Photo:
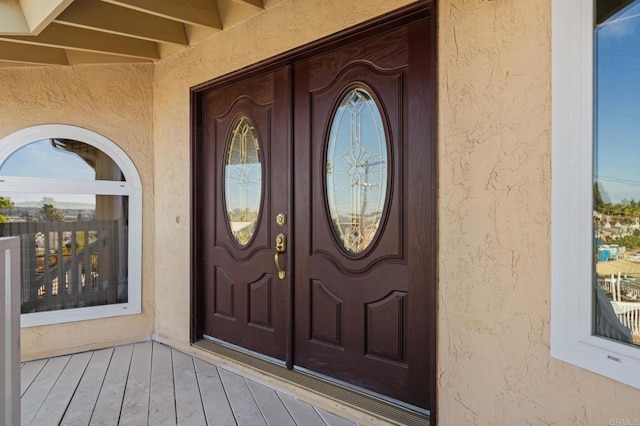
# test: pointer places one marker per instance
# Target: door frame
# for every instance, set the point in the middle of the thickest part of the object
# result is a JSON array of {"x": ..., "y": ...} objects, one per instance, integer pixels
[{"x": 423, "y": 9}]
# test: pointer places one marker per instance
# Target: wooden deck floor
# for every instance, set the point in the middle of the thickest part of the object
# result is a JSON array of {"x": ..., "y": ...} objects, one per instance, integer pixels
[{"x": 152, "y": 384}]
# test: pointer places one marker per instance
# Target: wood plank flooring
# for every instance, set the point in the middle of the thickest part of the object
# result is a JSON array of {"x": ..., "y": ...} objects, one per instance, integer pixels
[{"x": 152, "y": 384}]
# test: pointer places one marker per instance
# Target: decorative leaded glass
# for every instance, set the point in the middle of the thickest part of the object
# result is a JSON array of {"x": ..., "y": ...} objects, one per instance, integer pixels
[
  {"x": 243, "y": 180},
  {"x": 356, "y": 171}
]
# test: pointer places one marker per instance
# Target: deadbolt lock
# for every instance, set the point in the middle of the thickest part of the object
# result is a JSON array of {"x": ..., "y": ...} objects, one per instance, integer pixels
[
  {"x": 281, "y": 243},
  {"x": 281, "y": 219}
]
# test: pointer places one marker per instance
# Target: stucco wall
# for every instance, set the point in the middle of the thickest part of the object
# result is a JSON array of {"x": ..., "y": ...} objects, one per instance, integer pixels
[
  {"x": 495, "y": 212},
  {"x": 114, "y": 101}
]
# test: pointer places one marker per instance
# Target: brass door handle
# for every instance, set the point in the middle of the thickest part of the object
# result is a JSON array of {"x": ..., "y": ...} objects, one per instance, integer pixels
[
  {"x": 281, "y": 248},
  {"x": 281, "y": 272}
]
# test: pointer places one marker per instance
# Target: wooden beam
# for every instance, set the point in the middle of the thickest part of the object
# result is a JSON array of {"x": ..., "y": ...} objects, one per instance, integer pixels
[
  {"x": 18, "y": 52},
  {"x": 12, "y": 19},
  {"x": 100, "y": 16},
  {"x": 197, "y": 33},
  {"x": 256, "y": 4},
  {"x": 57, "y": 35},
  {"x": 235, "y": 11},
  {"x": 194, "y": 12},
  {"x": 40, "y": 13},
  {"x": 168, "y": 49}
]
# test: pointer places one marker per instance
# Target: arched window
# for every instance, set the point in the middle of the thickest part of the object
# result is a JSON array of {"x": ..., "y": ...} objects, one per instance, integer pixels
[{"x": 75, "y": 200}]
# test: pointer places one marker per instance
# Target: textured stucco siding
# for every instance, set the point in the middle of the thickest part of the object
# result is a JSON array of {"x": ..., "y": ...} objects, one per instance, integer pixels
[
  {"x": 114, "y": 101},
  {"x": 494, "y": 228}
]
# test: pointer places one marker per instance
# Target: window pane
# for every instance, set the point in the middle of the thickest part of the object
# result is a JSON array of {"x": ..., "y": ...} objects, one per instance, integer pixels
[
  {"x": 61, "y": 159},
  {"x": 617, "y": 173},
  {"x": 74, "y": 248},
  {"x": 243, "y": 181},
  {"x": 356, "y": 171}
]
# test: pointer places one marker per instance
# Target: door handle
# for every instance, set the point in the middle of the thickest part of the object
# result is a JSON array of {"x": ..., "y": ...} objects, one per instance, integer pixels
[{"x": 281, "y": 248}]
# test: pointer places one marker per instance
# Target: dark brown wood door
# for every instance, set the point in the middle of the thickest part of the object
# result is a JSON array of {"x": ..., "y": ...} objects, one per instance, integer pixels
[
  {"x": 245, "y": 163},
  {"x": 357, "y": 184},
  {"x": 364, "y": 215}
]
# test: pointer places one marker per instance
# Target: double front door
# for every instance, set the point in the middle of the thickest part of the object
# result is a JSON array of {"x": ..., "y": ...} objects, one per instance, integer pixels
[{"x": 317, "y": 214}]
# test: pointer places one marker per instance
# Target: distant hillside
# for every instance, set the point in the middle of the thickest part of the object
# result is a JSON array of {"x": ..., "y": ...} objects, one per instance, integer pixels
[{"x": 62, "y": 205}]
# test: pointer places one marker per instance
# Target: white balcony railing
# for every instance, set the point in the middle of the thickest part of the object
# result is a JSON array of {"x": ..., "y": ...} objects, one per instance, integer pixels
[
  {"x": 69, "y": 265},
  {"x": 629, "y": 315}
]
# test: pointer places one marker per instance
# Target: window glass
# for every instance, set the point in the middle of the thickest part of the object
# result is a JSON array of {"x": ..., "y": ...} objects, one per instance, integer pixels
[
  {"x": 61, "y": 159},
  {"x": 356, "y": 171},
  {"x": 74, "y": 248},
  {"x": 616, "y": 187},
  {"x": 243, "y": 181}
]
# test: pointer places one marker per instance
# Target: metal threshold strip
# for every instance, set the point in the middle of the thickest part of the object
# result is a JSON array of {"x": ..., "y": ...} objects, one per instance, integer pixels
[{"x": 365, "y": 403}]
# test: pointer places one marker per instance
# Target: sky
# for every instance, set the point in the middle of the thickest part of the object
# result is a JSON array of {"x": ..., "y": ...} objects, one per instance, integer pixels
[
  {"x": 617, "y": 159},
  {"x": 40, "y": 159}
]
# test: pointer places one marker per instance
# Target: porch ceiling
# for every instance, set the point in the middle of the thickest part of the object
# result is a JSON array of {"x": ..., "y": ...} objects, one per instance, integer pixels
[{"x": 68, "y": 32}]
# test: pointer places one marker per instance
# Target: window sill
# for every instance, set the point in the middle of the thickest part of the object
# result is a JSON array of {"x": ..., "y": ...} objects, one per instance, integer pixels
[{"x": 76, "y": 314}]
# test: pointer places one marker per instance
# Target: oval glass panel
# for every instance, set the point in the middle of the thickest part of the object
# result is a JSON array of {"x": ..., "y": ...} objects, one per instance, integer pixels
[
  {"x": 243, "y": 181},
  {"x": 356, "y": 171}
]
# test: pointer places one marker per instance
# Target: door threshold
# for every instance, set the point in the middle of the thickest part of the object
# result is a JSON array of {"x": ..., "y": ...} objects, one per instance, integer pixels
[
  {"x": 377, "y": 407},
  {"x": 241, "y": 350}
]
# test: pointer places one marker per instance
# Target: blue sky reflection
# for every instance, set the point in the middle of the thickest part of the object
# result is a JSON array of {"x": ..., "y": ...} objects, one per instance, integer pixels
[
  {"x": 617, "y": 144},
  {"x": 41, "y": 159}
]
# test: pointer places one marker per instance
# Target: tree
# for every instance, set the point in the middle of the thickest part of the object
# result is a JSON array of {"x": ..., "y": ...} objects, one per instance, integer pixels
[
  {"x": 48, "y": 213},
  {"x": 598, "y": 202},
  {"x": 28, "y": 217},
  {"x": 5, "y": 203}
]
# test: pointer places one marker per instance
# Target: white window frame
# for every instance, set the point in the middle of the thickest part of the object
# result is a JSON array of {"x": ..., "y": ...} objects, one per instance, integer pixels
[
  {"x": 131, "y": 187},
  {"x": 572, "y": 338}
]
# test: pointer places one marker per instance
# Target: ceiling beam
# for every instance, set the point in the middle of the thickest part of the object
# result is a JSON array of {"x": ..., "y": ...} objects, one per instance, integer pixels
[
  {"x": 197, "y": 33},
  {"x": 256, "y": 4},
  {"x": 16, "y": 52},
  {"x": 194, "y": 12},
  {"x": 40, "y": 13},
  {"x": 234, "y": 11},
  {"x": 100, "y": 16},
  {"x": 12, "y": 19},
  {"x": 91, "y": 41}
]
